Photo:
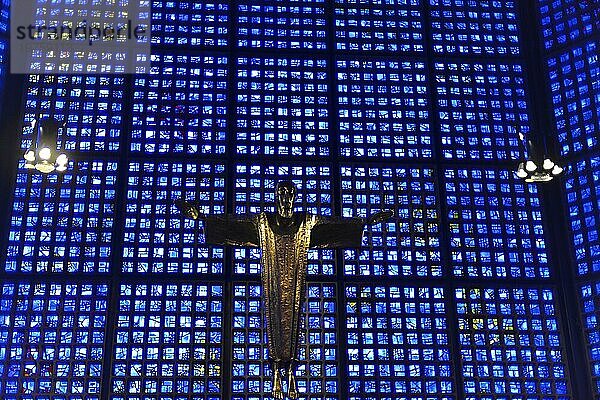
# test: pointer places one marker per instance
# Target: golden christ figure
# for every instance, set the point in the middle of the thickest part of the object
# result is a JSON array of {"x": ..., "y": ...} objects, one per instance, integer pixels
[{"x": 284, "y": 238}]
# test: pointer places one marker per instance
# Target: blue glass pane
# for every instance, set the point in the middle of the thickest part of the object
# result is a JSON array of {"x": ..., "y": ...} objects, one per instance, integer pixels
[
  {"x": 409, "y": 244},
  {"x": 282, "y": 24},
  {"x": 575, "y": 84},
  {"x": 180, "y": 106},
  {"x": 582, "y": 187},
  {"x": 4, "y": 60},
  {"x": 52, "y": 340},
  {"x": 398, "y": 346},
  {"x": 379, "y": 25},
  {"x": 317, "y": 373},
  {"x": 169, "y": 342},
  {"x": 479, "y": 106},
  {"x": 510, "y": 344},
  {"x": 565, "y": 21},
  {"x": 4, "y": 15},
  {"x": 255, "y": 193},
  {"x": 465, "y": 27},
  {"x": 63, "y": 222},
  {"x": 383, "y": 109},
  {"x": 590, "y": 303},
  {"x": 282, "y": 106},
  {"x": 190, "y": 23},
  {"x": 495, "y": 225},
  {"x": 157, "y": 238},
  {"x": 92, "y": 105}
]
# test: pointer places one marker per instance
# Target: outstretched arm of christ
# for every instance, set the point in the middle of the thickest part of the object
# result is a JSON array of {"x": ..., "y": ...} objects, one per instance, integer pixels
[
  {"x": 222, "y": 229},
  {"x": 230, "y": 230},
  {"x": 330, "y": 233}
]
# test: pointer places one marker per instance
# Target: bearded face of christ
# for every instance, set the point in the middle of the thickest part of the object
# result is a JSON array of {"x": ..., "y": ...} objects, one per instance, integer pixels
[{"x": 285, "y": 196}]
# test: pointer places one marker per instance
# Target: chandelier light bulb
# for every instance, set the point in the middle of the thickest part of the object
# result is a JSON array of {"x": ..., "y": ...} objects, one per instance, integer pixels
[
  {"x": 530, "y": 166},
  {"x": 61, "y": 168},
  {"x": 45, "y": 153},
  {"x": 557, "y": 170},
  {"x": 62, "y": 159},
  {"x": 548, "y": 164},
  {"x": 29, "y": 156}
]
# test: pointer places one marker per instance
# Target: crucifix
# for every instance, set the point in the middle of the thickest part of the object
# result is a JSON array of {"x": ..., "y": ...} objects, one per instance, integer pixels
[{"x": 284, "y": 238}]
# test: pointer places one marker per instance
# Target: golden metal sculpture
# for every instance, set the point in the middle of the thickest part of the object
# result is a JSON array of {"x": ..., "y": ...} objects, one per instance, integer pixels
[{"x": 284, "y": 238}]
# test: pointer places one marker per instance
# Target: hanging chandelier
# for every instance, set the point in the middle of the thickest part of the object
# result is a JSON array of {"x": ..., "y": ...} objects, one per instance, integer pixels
[
  {"x": 43, "y": 154},
  {"x": 537, "y": 167}
]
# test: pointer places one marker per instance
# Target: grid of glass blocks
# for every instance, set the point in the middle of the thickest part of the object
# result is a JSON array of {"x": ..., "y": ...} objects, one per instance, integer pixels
[
  {"x": 575, "y": 84},
  {"x": 582, "y": 187},
  {"x": 180, "y": 106},
  {"x": 63, "y": 222},
  {"x": 379, "y": 25},
  {"x": 510, "y": 344},
  {"x": 495, "y": 224},
  {"x": 52, "y": 340},
  {"x": 398, "y": 344},
  {"x": 282, "y": 24},
  {"x": 282, "y": 106},
  {"x": 480, "y": 106},
  {"x": 590, "y": 302},
  {"x": 565, "y": 21},
  {"x": 157, "y": 237},
  {"x": 383, "y": 109},
  {"x": 49, "y": 17},
  {"x": 317, "y": 368},
  {"x": 169, "y": 342},
  {"x": 92, "y": 106},
  {"x": 255, "y": 193},
  {"x": 408, "y": 244},
  {"x": 190, "y": 23},
  {"x": 488, "y": 27}
]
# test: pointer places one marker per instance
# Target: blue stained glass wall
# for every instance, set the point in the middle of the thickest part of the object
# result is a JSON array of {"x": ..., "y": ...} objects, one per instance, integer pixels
[
  {"x": 571, "y": 38},
  {"x": 495, "y": 222},
  {"x": 565, "y": 22},
  {"x": 109, "y": 293},
  {"x": 575, "y": 84},
  {"x": 52, "y": 340}
]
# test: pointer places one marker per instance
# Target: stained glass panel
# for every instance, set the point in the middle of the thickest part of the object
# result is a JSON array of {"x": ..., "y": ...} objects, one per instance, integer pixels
[
  {"x": 169, "y": 342},
  {"x": 63, "y": 222},
  {"x": 379, "y": 25},
  {"x": 282, "y": 106},
  {"x": 52, "y": 340},
  {"x": 479, "y": 106},
  {"x": 582, "y": 186},
  {"x": 282, "y": 24},
  {"x": 575, "y": 84},
  {"x": 383, "y": 109},
  {"x": 409, "y": 244},
  {"x": 157, "y": 238},
  {"x": 467, "y": 27},
  {"x": 565, "y": 21},
  {"x": 495, "y": 225},
  {"x": 180, "y": 106},
  {"x": 590, "y": 299},
  {"x": 510, "y": 344},
  {"x": 190, "y": 23},
  {"x": 398, "y": 344}
]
